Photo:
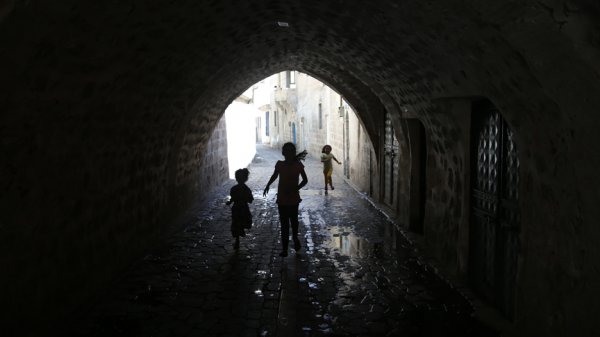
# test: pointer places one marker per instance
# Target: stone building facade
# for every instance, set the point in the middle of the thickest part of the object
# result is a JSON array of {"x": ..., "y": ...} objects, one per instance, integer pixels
[{"x": 311, "y": 114}]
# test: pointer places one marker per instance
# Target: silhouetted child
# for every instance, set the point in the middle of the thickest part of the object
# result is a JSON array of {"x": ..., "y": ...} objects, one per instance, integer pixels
[
  {"x": 326, "y": 157},
  {"x": 288, "y": 193},
  {"x": 241, "y": 218}
]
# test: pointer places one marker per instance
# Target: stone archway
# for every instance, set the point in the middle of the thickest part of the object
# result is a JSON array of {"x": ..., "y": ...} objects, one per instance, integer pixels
[{"x": 107, "y": 109}]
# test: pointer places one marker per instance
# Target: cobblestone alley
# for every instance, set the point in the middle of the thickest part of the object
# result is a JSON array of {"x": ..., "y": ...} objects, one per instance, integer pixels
[{"x": 354, "y": 276}]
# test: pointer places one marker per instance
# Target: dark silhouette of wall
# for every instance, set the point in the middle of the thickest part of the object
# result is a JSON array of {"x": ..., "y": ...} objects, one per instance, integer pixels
[{"x": 106, "y": 109}]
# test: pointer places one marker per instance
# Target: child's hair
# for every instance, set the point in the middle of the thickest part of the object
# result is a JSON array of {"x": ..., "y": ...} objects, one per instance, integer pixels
[
  {"x": 301, "y": 155},
  {"x": 289, "y": 146},
  {"x": 325, "y": 147},
  {"x": 241, "y": 175}
]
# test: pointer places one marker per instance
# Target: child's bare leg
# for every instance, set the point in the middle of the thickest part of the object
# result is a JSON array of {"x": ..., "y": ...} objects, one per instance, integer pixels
[
  {"x": 294, "y": 222},
  {"x": 284, "y": 219}
]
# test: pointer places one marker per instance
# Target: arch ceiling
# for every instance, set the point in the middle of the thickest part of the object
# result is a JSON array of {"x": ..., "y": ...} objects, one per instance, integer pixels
[{"x": 102, "y": 99}]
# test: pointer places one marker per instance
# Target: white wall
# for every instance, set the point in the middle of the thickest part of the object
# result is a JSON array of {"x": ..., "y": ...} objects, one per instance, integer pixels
[{"x": 241, "y": 135}]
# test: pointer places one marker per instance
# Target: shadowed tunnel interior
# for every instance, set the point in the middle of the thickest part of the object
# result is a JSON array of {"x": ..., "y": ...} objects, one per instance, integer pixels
[{"x": 107, "y": 109}]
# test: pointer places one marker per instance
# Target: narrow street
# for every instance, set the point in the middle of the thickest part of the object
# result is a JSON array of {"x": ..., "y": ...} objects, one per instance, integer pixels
[{"x": 356, "y": 275}]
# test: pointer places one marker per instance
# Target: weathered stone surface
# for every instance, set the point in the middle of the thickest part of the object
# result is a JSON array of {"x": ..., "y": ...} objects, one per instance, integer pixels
[{"x": 107, "y": 110}]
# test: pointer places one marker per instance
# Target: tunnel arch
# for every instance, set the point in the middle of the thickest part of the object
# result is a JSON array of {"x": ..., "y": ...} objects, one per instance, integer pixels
[
  {"x": 104, "y": 106},
  {"x": 365, "y": 103}
]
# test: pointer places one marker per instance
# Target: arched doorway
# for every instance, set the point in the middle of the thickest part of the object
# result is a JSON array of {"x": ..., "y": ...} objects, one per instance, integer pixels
[
  {"x": 494, "y": 225},
  {"x": 418, "y": 160}
]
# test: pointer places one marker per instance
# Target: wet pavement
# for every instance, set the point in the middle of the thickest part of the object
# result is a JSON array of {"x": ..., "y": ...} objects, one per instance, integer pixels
[{"x": 356, "y": 275}]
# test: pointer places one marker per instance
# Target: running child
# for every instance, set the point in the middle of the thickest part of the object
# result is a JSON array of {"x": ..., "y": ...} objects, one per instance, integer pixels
[
  {"x": 326, "y": 157},
  {"x": 288, "y": 193},
  {"x": 241, "y": 218}
]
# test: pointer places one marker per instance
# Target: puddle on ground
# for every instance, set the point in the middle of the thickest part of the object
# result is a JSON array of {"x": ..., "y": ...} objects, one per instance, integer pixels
[{"x": 348, "y": 243}]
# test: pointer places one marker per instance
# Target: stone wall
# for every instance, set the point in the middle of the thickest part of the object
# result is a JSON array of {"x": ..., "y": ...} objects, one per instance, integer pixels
[
  {"x": 69, "y": 246},
  {"x": 107, "y": 109}
]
